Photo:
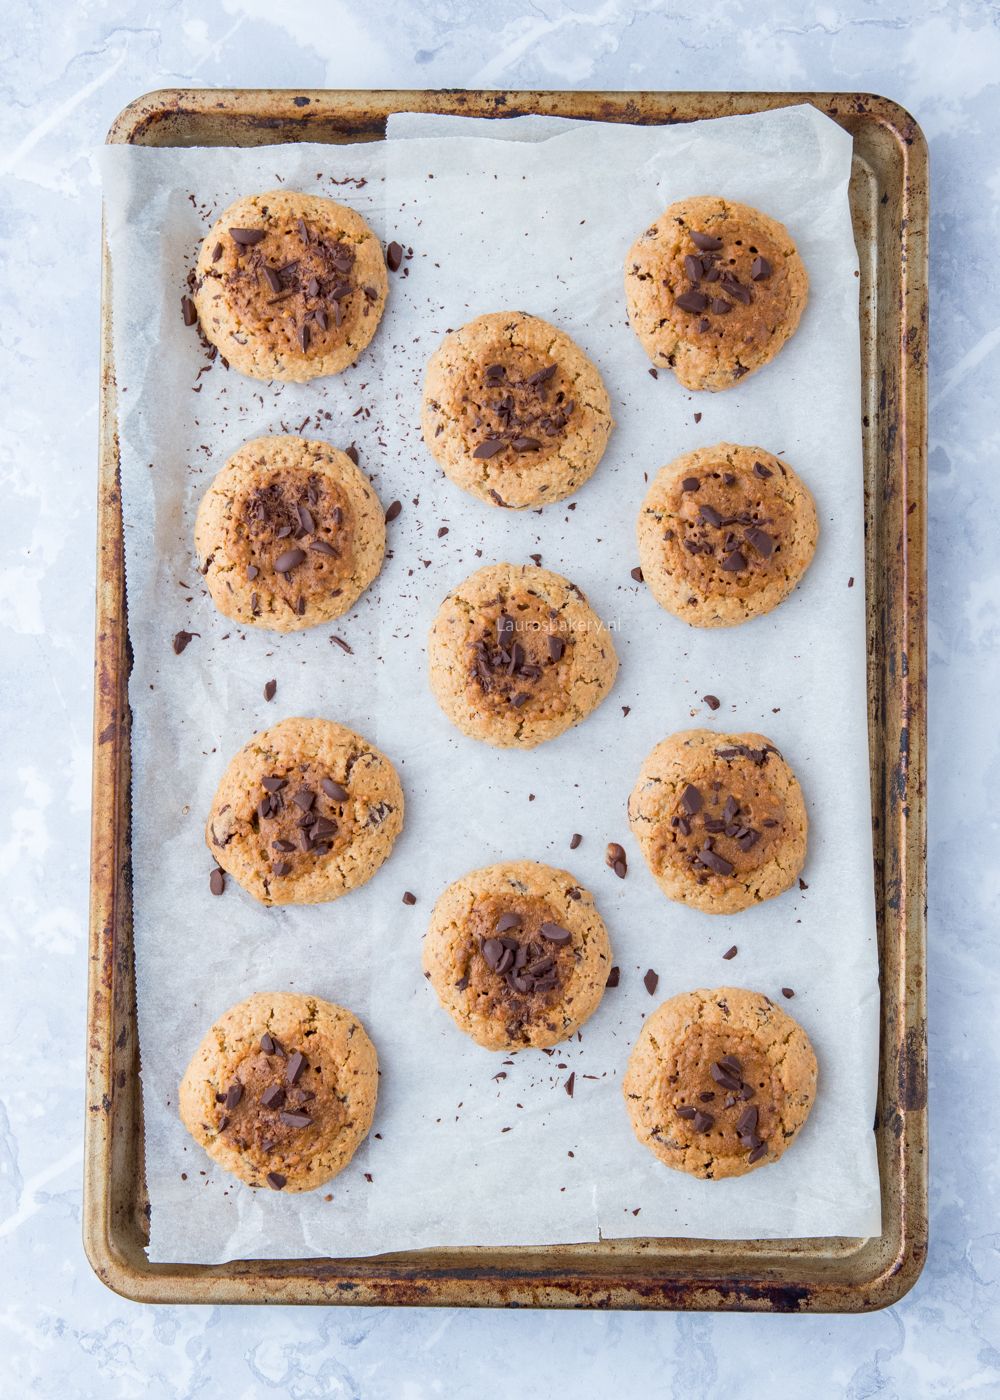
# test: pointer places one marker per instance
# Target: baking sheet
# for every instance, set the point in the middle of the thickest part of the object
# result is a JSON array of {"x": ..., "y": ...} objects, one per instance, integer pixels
[{"x": 496, "y": 223}]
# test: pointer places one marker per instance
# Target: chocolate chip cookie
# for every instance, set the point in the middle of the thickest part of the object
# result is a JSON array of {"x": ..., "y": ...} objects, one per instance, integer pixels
[
  {"x": 720, "y": 820},
  {"x": 518, "y": 955},
  {"x": 290, "y": 286},
  {"x": 305, "y": 812},
  {"x": 719, "y": 1082},
  {"x": 517, "y": 656},
  {"x": 514, "y": 411},
  {"x": 281, "y": 1092},
  {"x": 714, "y": 290},
  {"x": 725, "y": 533},
  {"x": 289, "y": 534}
]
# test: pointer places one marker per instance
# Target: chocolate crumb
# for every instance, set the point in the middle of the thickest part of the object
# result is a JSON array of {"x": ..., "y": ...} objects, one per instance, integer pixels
[
  {"x": 712, "y": 701},
  {"x": 614, "y": 977},
  {"x": 181, "y": 640},
  {"x": 651, "y": 981},
  {"x": 394, "y": 510},
  {"x": 730, "y": 953},
  {"x": 270, "y": 689},
  {"x": 409, "y": 898}
]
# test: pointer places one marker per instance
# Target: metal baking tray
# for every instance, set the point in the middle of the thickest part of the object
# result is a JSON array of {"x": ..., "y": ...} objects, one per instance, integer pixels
[{"x": 889, "y": 204}]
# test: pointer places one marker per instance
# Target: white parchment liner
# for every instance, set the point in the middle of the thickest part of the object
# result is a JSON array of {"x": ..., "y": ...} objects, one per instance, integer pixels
[{"x": 457, "y": 1156}]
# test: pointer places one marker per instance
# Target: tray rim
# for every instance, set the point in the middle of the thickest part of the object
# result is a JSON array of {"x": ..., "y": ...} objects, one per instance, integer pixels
[{"x": 539, "y": 1277}]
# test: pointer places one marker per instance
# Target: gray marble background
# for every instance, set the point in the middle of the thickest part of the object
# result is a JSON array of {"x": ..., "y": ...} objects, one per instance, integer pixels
[{"x": 66, "y": 68}]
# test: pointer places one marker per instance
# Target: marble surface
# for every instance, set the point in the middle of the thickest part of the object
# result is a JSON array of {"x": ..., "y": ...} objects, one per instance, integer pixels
[{"x": 65, "y": 70}]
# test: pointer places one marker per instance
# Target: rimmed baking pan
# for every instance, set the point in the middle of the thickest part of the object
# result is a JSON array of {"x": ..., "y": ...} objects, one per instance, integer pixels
[{"x": 889, "y": 208}]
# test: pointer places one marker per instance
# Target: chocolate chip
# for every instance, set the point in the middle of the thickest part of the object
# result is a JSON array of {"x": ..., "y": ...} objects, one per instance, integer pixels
[
  {"x": 556, "y": 647},
  {"x": 217, "y": 881},
  {"x": 394, "y": 256},
  {"x": 273, "y": 784},
  {"x": 295, "y": 1119},
  {"x": 493, "y": 951},
  {"x": 304, "y": 337},
  {"x": 272, "y": 278},
  {"x": 570, "y": 1083},
  {"x": 734, "y": 562},
  {"x": 335, "y": 791},
  {"x": 693, "y": 267},
  {"x": 521, "y": 444},
  {"x": 787, "y": 992},
  {"x": 274, "y": 1095},
  {"x": 489, "y": 448},
  {"x": 614, "y": 977},
  {"x": 281, "y": 867},
  {"x": 233, "y": 1094},
  {"x": 705, "y": 242},
  {"x": 188, "y": 311},
  {"x": 246, "y": 238},
  {"x": 721, "y": 307},
  {"x": 295, "y": 1066},
  {"x": 710, "y": 516},
  {"x": 394, "y": 510},
  {"x": 270, "y": 690},
  {"x": 713, "y": 861},
  {"x": 636, "y": 573},
  {"x": 289, "y": 560},
  {"x": 323, "y": 547},
  {"x": 651, "y": 981},
  {"x": 508, "y": 921},
  {"x": 760, "y": 269},
  {"x": 304, "y": 799},
  {"x": 542, "y": 376},
  {"x": 730, "y": 953},
  {"x": 276, "y": 1181},
  {"x": 691, "y": 301},
  {"x": 702, "y": 1122},
  {"x": 760, "y": 470},
  {"x": 521, "y": 698},
  {"x": 691, "y": 800},
  {"x": 685, "y": 1111},
  {"x": 712, "y": 701},
  {"x": 555, "y": 933},
  {"x": 613, "y": 853},
  {"x": 409, "y": 898},
  {"x": 757, "y": 1153},
  {"x": 724, "y": 1078},
  {"x": 181, "y": 640},
  {"x": 690, "y": 483},
  {"x": 762, "y": 542},
  {"x": 575, "y": 840},
  {"x": 268, "y": 1044},
  {"x": 217, "y": 252}
]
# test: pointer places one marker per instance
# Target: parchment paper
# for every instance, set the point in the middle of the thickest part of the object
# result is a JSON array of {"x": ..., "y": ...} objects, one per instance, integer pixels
[{"x": 458, "y": 1156}]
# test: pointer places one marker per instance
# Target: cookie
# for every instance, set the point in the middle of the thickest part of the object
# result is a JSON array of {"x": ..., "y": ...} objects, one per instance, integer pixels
[
  {"x": 720, "y": 820},
  {"x": 281, "y": 1092},
  {"x": 725, "y": 533},
  {"x": 719, "y": 1082},
  {"x": 714, "y": 289},
  {"x": 514, "y": 411},
  {"x": 517, "y": 954},
  {"x": 517, "y": 655},
  {"x": 299, "y": 504},
  {"x": 289, "y": 286},
  {"x": 305, "y": 812}
]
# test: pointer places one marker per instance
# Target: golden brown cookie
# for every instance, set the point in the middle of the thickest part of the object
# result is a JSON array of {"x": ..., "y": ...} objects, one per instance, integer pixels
[
  {"x": 290, "y": 286},
  {"x": 725, "y": 533},
  {"x": 517, "y": 655},
  {"x": 720, "y": 820},
  {"x": 289, "y": 534},
  {"x": 306, "y": 811},
  {"x": 518, "y": 955},
  {"x": 514, "y": 411},
  {"x": 281, "y": 1092},
  {"x": 714, "y": 289},
  {"x": 719, "y": 1082}
]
